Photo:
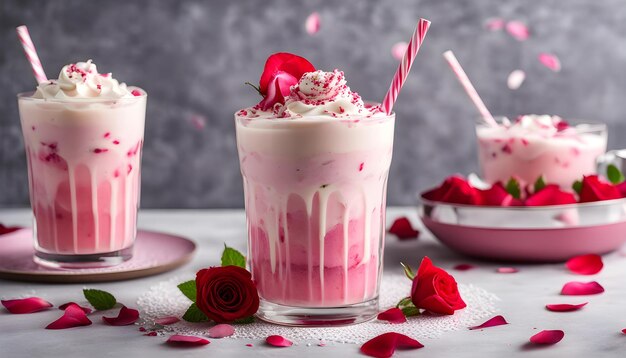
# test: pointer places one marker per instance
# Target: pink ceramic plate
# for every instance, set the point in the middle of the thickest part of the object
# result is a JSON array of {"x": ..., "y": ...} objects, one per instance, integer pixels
[
  {"x": 154, "y": 253},
  {"x": 528, "y": 234}
]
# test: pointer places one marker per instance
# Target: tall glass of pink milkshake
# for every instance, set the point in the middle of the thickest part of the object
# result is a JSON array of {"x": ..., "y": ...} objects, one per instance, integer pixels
[
  {"x": 315, "y": 177},
  {"x": 83, "y": 135}
]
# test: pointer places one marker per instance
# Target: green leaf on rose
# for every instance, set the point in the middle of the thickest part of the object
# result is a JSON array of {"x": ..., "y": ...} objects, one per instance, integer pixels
[
  {"x": 577, "y": 186},
  {"x": 246, "y": 320},
  {"x": 257, "y": 88},
  {"x": 194, "y": 314},
  {"x": 614, "y": 175},
  {"x": 188, "y": 288},
  {"x": 408, "y": 271},
  {"x": 410, "y": 311},
  {"x": 513, "y": 188},
  {"x": 232, "y": 257},
  {"x": 540, "y": 183},
  {"x": 100, "y": 300},
  {"x": 404, "y": 302}
]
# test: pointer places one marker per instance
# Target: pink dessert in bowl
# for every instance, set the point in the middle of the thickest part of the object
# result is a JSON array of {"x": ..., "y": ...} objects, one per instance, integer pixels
[
  {"x": 314, "y": 160},
  {"x": 535, "y": 145}
]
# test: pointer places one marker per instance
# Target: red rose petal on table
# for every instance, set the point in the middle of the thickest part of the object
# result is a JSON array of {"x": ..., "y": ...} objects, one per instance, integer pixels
[
  {"x": 581, "y": 288},
  {"x": 495, "y": 321},
  {"x": 151, "y": 334},
  {"x": 547, "y": 337},
  {"x": 398, "y": 50},
  {"x": 278, "y": 341},
  {"x": 518, "y": 30},
  {"x": 585, "y": 264},
  {"x": 624, "y": 330},
  {"x": 312, "y": 23},
  {"x": 392, "y": 315},
  {"x": 26, "y": 305},
  {"x": 8, "y": 229},
  {"x": 385, "y": 345},
  {"x": 164, "y": 321},
  {"x": 126, "y": 316},
  {"x": 403, "y": 230},
  {"x": 565, "y": 307},
  {"x": 463, "y": 267},
  {"x": 186, "y": 341},
  {"x": 494, "y": 24},
  {"x": 221, "y": 331},
  {"x": 506, "y": 270},
  {"x": 87, "y": 310},
  {"x": 73, "y": 316},
  {"x": 550, "y": 61}
]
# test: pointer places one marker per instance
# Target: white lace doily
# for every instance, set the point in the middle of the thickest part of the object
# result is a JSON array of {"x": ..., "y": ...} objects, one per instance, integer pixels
[{"x": 165, "y": 299}]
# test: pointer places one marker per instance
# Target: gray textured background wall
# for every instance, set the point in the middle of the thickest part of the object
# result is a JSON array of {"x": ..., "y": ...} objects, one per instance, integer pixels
[{"x": 194, "y": 56}]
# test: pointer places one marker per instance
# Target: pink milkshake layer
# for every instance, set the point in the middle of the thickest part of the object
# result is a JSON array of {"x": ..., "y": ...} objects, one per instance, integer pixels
[
  {"x": 83, "y": 135},
  {"x": 315, "y": 187},
  {"x": 536, "y": 145}
]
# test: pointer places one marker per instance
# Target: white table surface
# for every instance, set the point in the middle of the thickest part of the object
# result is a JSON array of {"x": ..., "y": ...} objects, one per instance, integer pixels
[{"x": 594, "y": 331}]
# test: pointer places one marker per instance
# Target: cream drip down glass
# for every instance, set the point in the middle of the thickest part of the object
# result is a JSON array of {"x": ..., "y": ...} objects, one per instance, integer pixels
[
  {"x": 315, "y": 179},
  {"x": 83, "y": 135}
]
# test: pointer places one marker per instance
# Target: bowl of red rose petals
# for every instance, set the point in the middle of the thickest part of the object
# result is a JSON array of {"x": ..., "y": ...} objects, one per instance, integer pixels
[{"x": 541, "y": 222}]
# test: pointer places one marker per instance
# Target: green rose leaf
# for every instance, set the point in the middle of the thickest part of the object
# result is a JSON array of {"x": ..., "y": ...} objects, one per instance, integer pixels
[
  {"x": 577, "y": 186},
  {"x": 410, "y": 311},
  {"x": 194, "y": 314},
  {"x": 513, "y": 188},
  {"x": 408, "y": 271},
  {"x": 232, "y": 257},
  {"x": 188, "y": 288},
  {"x": 540, "y": 183},
  {"x": 100, "y": 300},
  {"x": 614, "y": 174}
]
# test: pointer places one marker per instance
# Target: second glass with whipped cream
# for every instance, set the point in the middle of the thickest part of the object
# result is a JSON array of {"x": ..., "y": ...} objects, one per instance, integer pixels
[
  {"x": 315, "y": 176},
  {"x": 83, "y": 135}
]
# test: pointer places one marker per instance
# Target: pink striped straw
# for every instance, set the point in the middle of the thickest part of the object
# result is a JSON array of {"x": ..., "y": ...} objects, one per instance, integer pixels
[
  {"x": 405, "y": 65},
  {"x": 31, "y": 54},
  {"x": 469, "y": 88}
]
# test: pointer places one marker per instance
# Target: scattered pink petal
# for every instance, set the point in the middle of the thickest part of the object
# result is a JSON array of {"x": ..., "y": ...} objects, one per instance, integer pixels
[
  {"x": 507, "y": 270},
  {"x": 198, "y": 121},
  {"x": 87, "y": 310},
  {"x": 494, "y": 24},
  {"x": 278, "y": 341},
  {"x": 385, "y": 345},
  {"x": 151, "y": 334},
  {"x": 463, "y": 267},
  {"x": 73, "y": 316},
  {"x": 518, "y": 30},
  {"x": 249, "y": 345},
  {"x": 581, "y": 288},
  {"x": 565, "y": 307},
  {"x": 585, "y": 264},
  {"x": 624, "y": 330},
  {"x": 548, "y": 337},
  {"x": 312, "y": 23},
  {"x": 495, "y": 321},
  {"x": 550, "y": 61},
  {"x": 392, "y": 315},
  {"x": 186, "y": 341},
  {"x": 221, "y": 331},
  {"x": 8, "y": 229},
  {"x": 26, "y": 305},
  {"x": 164, "y": 321},
  {"x": 142, "y": 329},
  {"x": 403, "y": 230},
  {"x": 125, "y": 317},
  {"x": 398, "y": 50},
  {"x": 515, "y": 79}
]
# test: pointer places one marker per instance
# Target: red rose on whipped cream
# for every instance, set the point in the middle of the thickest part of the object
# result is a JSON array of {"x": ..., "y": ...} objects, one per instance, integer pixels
[{"x": 282, "y": 70}]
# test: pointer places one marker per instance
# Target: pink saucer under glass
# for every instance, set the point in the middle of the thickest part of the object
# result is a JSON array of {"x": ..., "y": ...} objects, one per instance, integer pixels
[{"x": 153, "y": 253}]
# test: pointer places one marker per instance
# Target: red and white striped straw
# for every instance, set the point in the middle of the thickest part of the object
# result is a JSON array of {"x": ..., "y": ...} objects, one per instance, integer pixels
[
  {"x": 405, "y": 65},
  {"x": 469, "y": 88},
  {"x": 31, "y": 54}
]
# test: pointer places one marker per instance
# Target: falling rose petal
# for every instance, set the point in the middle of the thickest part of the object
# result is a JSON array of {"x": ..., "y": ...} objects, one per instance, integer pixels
[
  {"x": 547, "y": 337},
  {"x": 198, "y": 121},
  {"x": 507, "y": 270},
  {"x": 585, "y": 264},
  {"x": 221, "y": 331},
  {"x": 403, "y": 230},
  {"x": 312, "y": 23},
  {"x": 550, "y": 61},
  {"x": 495, "y": 321},
  {"x": 518, "y": 30},
  {"x": 87, "y": 310},
  {"x": 278, "y": 341},
  {"x": 165, "y": 321},
  {"x": 565, "y": 307},
  {"x": 463, "y": 267},
  {"x": 515, "y": 79},
  {"x": 581, "y": 288},
  {"x": 125, "y": 317},
  {"x": 385, "y": 345},
  {"x": 26, "y": 305},
  {"x": 186, "y": 341},
  {"x": 494, "y": 24},
  {"x": 8, "y": 229},
  {"x": 398, "y": 50},
  {"x": 392, "y": 315},
  {"x": 73, "y": 316}
]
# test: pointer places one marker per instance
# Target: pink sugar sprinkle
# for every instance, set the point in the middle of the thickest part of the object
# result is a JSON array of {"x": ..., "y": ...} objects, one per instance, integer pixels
[
  {"x": 507, "y": 149},
  {"x": 33, "y": 127},
  {"x": 136, "y": 93},
  {"x": 107, "y": 134},
  {"x": 116, "y": 142},
  {"x": 99, "y": 87},
  {"x": 100, "y": 150},
  {"x": 524, "y": 142},
  {"x": 361, "y": 167},
  {"x": 130, "y": 167},
  {"x": 116, "y": 174}
]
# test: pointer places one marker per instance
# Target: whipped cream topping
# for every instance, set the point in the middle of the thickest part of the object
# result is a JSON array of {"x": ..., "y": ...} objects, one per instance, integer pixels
[
  {"x": 544, "y": 125},
  {"x": 81, "y": 80},
  {"x": 317, "y": 94}
]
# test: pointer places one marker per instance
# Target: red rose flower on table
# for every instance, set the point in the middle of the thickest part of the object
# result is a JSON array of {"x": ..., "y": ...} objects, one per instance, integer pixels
[
  {"x": 435, "y": 290},
  {"x": 282, "y": 70},
  {"x": 225, "y": 294}
]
